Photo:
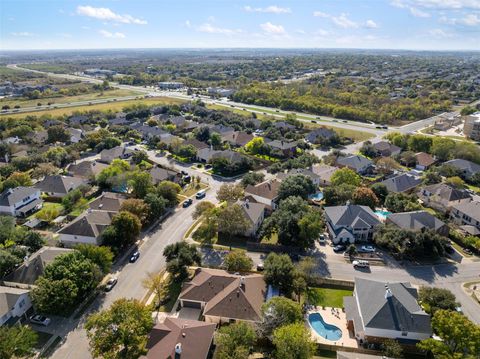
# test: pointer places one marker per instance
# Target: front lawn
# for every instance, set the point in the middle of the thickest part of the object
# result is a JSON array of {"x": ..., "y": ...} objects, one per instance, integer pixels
[
  {"x": 173, "y": 291},
  {"x": 327, "y": 297},
  {"x": 190, "y": 189}
]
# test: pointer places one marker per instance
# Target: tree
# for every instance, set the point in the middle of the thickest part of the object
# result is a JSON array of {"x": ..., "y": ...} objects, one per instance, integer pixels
[
  {"x": 229, "y": 192},
  {"x": 293, "y": 341},
  {"x": 126, "y": 228},
  {"x": 296, "y": 185},
  {"x": 338, "y": 195},
  {"x": 232, "y": 221},
  {"x": 202, "y": 208},
  {"x": 392, "y": 349},
  {"x": 345, "y": 176},
  {"x": 310, "y": 225},
  {"x": 256, "y": 146},
  {"x": 155, "y": 283},
  {"x": 48, "y": 214},
  {"x": 17, "y": 341},
  {"x": 114, "y": 175},
  {"x": 140, "y": 183},
  {"x": 234, "y": 341},
  {"x": 368, "y": 149},
  {"x": 467, "y": 110},
  {"x": 442, "y": 148},
  {"x": 139, "y": 156},
  {"x": 169, "y": 191},
  {"x": 156, "y": 206},
  {"x": 179, "y": 257},
  {"x": 431, "y": 177},
  {"x": 352, "y": 250},
  {"x": 137, "y": 207},
  {"x": 120, "y": 331},
  {"x": 17, "y": 179},
  {"x": 33, "y": 240},
  {"x": 187, "y": 151},
  {"x": 364, "y": 196},
  {"x": 400, "y": 202},
  {"x": 277, "y": 312},
  {"x": 456, "y": 182},
  {"x": 419, "y": 143},
  {"x": 380, "y": 191},
  {"x": 237, "y": 261},
  {"x": 100, "y": 255},
  {"x": 58, "y": 133},
  {"x": 279, "y": 272},
  {"x": 202, "y": 133},
  {"x": 408, "y": 158},
  {"x": 252, "y": 178},
  {"x": 386, "y": 165},
  {"x": 437, "y": 298},
  {"x": 306, "y": 268},
  {"x": 460, "y": 337},
  {"x": 215, "y": 139}
]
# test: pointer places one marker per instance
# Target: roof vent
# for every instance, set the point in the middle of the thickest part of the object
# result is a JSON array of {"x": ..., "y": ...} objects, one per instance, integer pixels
[
  {"x": 178, "y": 348},
  {"x": 388, "y": 292},
  {"x": 184, "y": 334}
]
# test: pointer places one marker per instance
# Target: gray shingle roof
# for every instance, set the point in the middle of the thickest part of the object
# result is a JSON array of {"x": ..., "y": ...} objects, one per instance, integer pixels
[
  {"x": 355, "y": 161},
  {"x": 464, "y": 165},
  {"x": 471, "y": 209},
  {"x": 60, "y": 184},
  {"x": 90, "y": 224},
  {"x": 253, "y": 211},
  {"x": 447, "y": 192},
  {"x": 351, "y": 215},
  {"x": 401, "y": 183},
  {"x": 416, "y": 220},
  {"x": 14, "y": 195}
]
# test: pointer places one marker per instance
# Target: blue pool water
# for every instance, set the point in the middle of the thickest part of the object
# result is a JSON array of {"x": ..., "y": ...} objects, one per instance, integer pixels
[
  {"x": 327, "y": 331},
  {"x": 383, "y": 214},
  {"x": 316, "y": 197}
]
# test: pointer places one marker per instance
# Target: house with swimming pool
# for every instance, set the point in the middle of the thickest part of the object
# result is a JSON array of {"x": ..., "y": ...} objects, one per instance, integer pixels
[{"x": 379, "y": 311}]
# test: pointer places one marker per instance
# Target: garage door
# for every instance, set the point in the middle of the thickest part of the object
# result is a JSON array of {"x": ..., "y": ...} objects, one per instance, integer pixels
[{"x": 188, "y": 304}]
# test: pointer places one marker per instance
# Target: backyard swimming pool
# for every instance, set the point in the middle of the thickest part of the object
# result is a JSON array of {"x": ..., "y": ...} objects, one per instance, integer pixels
[
  {"x": 316, "y": 197},
  {"x": 383, "y": 214},
  {"x": 325, "y": 330}
]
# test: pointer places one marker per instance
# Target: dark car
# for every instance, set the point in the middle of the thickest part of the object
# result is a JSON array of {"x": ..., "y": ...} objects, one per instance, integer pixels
[
  {"x": 184, "y": 173},
  {"x": 134, "y": 256},
  {"x": 207, "y": 167},
  {"x": 187, "y": 203},
  {"x": 187, "y": 179},
  {"x": 313, "y": 121},
  {"x": 260, "y": 267},
  {"x": 339, "y": 248}
]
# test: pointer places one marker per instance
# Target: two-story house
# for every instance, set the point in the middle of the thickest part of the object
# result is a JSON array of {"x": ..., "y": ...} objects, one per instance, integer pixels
[
  {"x": 14, "y": 302},
  {"x": 20, "y": 201},
  {"x": 265, "y": 193}
]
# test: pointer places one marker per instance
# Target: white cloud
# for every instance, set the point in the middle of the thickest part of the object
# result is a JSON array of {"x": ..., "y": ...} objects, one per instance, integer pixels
[
  {"x": 270, "y": 28},
  {"x": 439, "y": 4},
  {"x": 188, "y": 24},
  {"x": 273, "y": 9},
  {"x": 112, "y": 35},
  {"x": 439, "y": 33},
  {"x": 321, "y": 14},
  {"x": 344, "y": 21},
  {"x": 210, "y": 29},
  {"x": 471, "y": 20},
  {"x": 403, "y": 4},
  {"x": 103, "y": 13},
  {"x": 371, "y": 24},
  {"x": 23, "y": 34}
]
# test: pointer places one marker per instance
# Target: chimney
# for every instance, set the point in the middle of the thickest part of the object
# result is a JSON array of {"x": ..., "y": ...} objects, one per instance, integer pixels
[
  {"x": 242, "y": 283},
  {"x": 178, "y": 349},
  {"x": 388, "y": 292}
]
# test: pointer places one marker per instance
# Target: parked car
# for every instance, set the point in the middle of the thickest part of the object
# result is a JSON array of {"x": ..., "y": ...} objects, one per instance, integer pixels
[
  {"x": 201, "y": 194},
  {"x": 367, "y": 249},
  {"x": 187, "y": 203},
  {"x": 313, "y": 121},
  {"x": 360, "y": 264},
  {"x": 207, "y": 167},
  {"x": 339, "y": 248},
  {"x": 40, "y": 320},
  {"x": 260, "y": 267},
  {"x": 134, "y": 256},
  {"x": 321, "y": 239},
  {"x": 112, "y": 282}
]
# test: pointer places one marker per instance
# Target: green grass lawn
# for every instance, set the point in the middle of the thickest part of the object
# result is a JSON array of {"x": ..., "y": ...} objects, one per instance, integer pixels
[
  {"x": 49, "y": 205},
  {"x": 325, "y": 354},
  {"x": 191, "y": 189},
  {"x": 174, "y": 289},
  {"x": 272, "y": 240},
  {"x": 327, "y": 297}
]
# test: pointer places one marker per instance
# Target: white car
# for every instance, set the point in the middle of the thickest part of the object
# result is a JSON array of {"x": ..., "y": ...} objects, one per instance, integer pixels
[
  {"x": 110, "y": 284},
  {"x": 40, "y": 320},
  {"x": 367, "y": 249},
  {"x": 360, "y": 264}
]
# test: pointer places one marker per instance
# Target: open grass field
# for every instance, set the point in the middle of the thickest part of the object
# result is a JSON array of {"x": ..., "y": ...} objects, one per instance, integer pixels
[
  {"x": 112, "y": 106},
  {"x": 66, "y": 99},
  {"x": 247, "y": 114},
  {"x": 327, "y": 297}
]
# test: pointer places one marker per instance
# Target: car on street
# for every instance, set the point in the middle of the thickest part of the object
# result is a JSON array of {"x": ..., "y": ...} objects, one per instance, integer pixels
[
  {"x": 187, "y": 203},
  {"x": 207, "y": 167},
  {"x": 201, "y": 194},
  {"x": 313, "y": 121},
  {"x": 112, "y": 282},
  {"x": 367, "y": 249},
  {"x": 134, "y": 256},
  {"x": 339, "y": 248},
  {"x": 260, "y": 267},
  {"x": 40, "y": 320},
  {"x": 360, "y": 264},
  {"x": 321, "y": 239}
]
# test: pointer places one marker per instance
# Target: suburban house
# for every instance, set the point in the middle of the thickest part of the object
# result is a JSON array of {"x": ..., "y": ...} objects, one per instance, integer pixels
[
  {"x": 441, "y": 196},
  {"x": 467, "y": 168},
  {"x": 35, "y": 265},
  {"x": 283, "y": 125},
  {"x": 471, "y": 126},
  {"x": 255, "y": 214},
  {"x": 58, "y": 186},
  {"x": 265, "y": 193},
  {"x": 225, "y": 297},
  {"x": 222, "y": 130},
  {"x": 466, "y": 214},
  {"x": 320, "y": 134},
  {"x": 237, "y": 138},
  {"x": 180, "y": 338},
  {"x": 350, "y": 223},
  {"x": 401, "y": 183},
  {"x": 20, "y": 201},
  {"x": 424, "y": 161},
  {"x": 14, "y": 302},
  {"x": 76, "y": 134},
  {"x": 379, "y": 310},
  {"x": 284, "y": 148},
  {"x": 386, "y": 149},
  {"x": 324, "y": 172},
  {"x": 160, "y": 174},
  {"x": 148, "y": 132},
  {"x": 208, "y": 155},
  {"x": 205, "y": 154},
  {"x": 86, "y": 229},
  {"x": 86, "y": 169},
  {"x": 108, "y": 201},
  {"x": 119, "y": 152},
  {"x": 300, "y": 171},
  {"x": 418, "y": 221},
  {"x": 357, "y": 163},
  {"x": 199, "y": 145}
]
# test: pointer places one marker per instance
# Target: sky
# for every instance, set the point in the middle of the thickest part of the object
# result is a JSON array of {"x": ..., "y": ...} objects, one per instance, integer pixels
[{"x": 375, "y": 24}]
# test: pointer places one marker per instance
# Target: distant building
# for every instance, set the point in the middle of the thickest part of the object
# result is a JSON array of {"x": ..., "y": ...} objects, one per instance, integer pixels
[
  {"x": 170, "y": 85},
  {"x": 219, "y": 91},
  {"x": 325, "y": 173},
  {"x": 86, "y": 169},
  {"x": 20, "y": 201},
  {"x": 357, "y": 163},
  {"x": 108, "y": 201},
  {"x": 466, "y": 214},
  {"x": 442, "y": 197},
  {"x": 424, "y": 161},
  {"x": 255, "y": 214},
  {"x": 386, "y": 149},
  {"x": 467, "y": 168},
  {"x": 401, "y": 183},
  {"x": 119, "y": 152},
  {"x": 471, "y": 127},
  {"x": 300, "y": 171},
  {"x": 14, "y": 302},
  {"x": 99, "y": 72}
]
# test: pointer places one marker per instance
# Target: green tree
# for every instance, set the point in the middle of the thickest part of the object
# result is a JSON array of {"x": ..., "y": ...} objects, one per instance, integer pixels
[
  {"x": 277, "y": 312},
  {"x": 155, "y": 283},
  {"x": 456, "y": 182},
  {"x": 17, "y": 179},
  {"x": 58, "y": 133},
  {"x": 256, "y": 146},
  {"x": 100, "y": 255},
  {"x": 279, "y": 271},
  {"x": 229, "y": 192},
  {"x": 127, "y": 227},
  {"x": 338, "y": 195},
  {"x": 380, "y": 191},
  {"x": 437, "y": 298},
  {"x": 156, "y": 206},
  {"x": 17, "y": 341},
  {"x": 237, "y": 261},
  {"x": 48, "y": 214},
  {"x": 420, "y": 143},
  {"x": 234, "y": 341},
  {"x": 115, "y": 175},
  {"x": 140, "y": 183},
  {"x": 169, "y": 191},
  {"x": 392, "y": 349},
  {"x": 364, "y": 196},
  {"x": 345, "y": 176},
  {"x": 138, "y": 207},
  {"x": 179, "y": 257},
  {"x": 252, "y": 178},
  {"x": 296, "y": 185},
  {"x": 311, "y": 225},
  {"x": 202, "y": 208},
  {"x": 400, "y": 202},
  {"x": 232, "y": 221},
  {"x": 120, "y": 331},
  {"x": 139, "y": 157},
  {"x": 293, "y": 341},
  {"x": 460, "y": 337},
  {"x": 442, "y": 148}
]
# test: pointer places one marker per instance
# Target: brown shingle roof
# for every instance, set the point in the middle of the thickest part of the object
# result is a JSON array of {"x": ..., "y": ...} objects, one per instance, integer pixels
[
  {"x": 424, "y": 159},
  {"x": 108, "y": 201},
  {"x": 268, "y": 189}
]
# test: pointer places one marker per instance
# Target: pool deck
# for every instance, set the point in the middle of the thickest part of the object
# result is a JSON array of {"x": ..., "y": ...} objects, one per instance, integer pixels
[{"x": 337, "y": 318}]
